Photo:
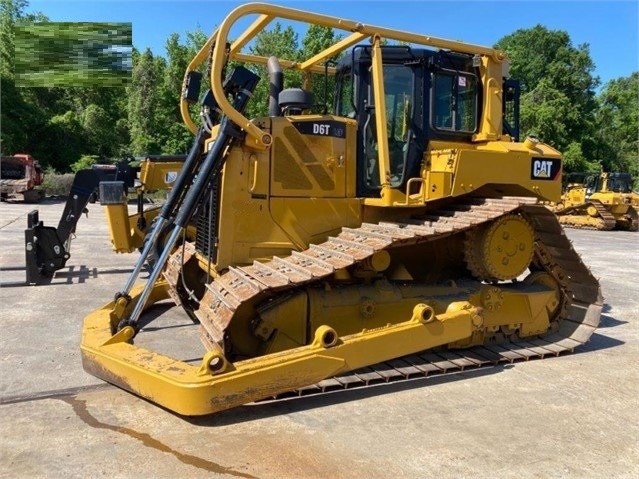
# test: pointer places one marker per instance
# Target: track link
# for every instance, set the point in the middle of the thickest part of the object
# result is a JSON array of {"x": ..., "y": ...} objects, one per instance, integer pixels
[
  {"x": 608, "y": 218},
  {"x": 553, "y": 251}
]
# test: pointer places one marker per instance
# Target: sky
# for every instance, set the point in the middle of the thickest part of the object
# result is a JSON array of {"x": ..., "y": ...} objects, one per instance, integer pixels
[{"x": 609, "y": 27}]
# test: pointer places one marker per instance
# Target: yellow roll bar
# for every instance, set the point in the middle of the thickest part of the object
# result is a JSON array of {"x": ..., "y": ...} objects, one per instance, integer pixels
[{"x": 257, "y": 137}]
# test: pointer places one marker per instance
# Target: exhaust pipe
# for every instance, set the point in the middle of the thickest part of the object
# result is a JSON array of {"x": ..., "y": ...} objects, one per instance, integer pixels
[{"x": 276, "y": 84}]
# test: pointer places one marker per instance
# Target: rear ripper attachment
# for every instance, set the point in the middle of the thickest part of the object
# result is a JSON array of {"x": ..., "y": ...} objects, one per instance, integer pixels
[{"x": 48, "y": 248}]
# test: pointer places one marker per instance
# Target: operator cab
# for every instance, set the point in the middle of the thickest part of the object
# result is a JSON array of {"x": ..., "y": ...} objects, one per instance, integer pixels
[
  {"x": 429, "y": 95},
  {"x": 620, "y": 182}
]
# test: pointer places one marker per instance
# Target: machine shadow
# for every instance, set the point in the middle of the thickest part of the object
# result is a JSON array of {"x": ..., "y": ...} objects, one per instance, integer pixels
[
  {"x": 69, "y": 275},
  {"x": 610, "y": 322},
  {"x": 154, "y": 312},
  {"x": 83, "y": 273},
  {"x": 598, "y": 342}
]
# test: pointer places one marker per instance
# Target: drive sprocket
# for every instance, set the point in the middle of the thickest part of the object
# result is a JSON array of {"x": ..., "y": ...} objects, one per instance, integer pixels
[{"x": 501, "y": 250}]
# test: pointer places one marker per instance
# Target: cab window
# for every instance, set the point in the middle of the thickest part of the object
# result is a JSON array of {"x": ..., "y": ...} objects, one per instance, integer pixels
[
  {"x": 346, "y": 96},
  {"x": 398, "y": 90},
  {"x": 454, "y": 102}
]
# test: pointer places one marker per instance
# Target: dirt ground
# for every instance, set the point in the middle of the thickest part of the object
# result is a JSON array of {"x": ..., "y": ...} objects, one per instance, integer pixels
[{"x": 575, "y": 416}]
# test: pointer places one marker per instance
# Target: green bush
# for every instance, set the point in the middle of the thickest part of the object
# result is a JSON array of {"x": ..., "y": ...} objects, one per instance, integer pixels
[
  {"x": 84, "y": 163},
  {"x": 56, "y": 184}
]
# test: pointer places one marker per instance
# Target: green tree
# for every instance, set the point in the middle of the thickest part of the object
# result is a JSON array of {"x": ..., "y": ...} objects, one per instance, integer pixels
[
  {"x": 142, "y": 105},
  {"x": 316, "y": 39},
  {"x": 84, "y": 163},
  {"x": 99, "y": 131},
  {"x": 558, "y": 88},
  {"x": 13, "y": 108},
  {"x": 575, "y": 160},
  {"x": 177, "y": 61},
  {"x": 11, "y": 11},
  {"x": 194, "y": 41},
  {"x": 175, "y": 137},
  {"x": 103, "y": 111},
  {"x": 61, "y": 142},
  {"x": 617, "y": 120}
]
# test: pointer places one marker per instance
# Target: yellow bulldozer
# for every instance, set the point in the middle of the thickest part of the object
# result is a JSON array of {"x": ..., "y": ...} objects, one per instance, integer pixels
[
  {"x": 398, "y": 232},
  {"x": 602, "y": 201}
]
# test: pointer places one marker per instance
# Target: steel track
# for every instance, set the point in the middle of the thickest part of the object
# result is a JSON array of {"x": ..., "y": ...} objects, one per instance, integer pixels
[{"x": 553, "y": 250}]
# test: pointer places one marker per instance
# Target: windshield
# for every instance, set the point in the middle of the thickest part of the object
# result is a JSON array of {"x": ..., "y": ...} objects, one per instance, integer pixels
[{"x": 620, "y": 184}]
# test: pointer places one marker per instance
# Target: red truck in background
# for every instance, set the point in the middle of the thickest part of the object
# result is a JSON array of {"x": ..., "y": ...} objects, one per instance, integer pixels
[{"x": 20, "y": 174}]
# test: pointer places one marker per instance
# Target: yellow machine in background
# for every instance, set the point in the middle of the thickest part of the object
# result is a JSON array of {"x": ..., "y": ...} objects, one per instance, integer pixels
[
  {"x": 602, "y": 201},
  {"x": 346, "y": 247}
]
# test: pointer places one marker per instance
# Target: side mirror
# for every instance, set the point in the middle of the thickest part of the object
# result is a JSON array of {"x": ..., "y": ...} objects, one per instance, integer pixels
[{"x": 191, "y": 91}]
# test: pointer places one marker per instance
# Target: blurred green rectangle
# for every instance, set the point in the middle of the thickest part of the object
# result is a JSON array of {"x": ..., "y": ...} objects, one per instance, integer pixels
[{"x": 73, "y": 54}]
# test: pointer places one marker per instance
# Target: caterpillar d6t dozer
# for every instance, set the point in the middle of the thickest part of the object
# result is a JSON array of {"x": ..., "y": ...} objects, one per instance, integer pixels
[
  {"x": 398, "y": 233},
  {"x": 603, "y": 201}
]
